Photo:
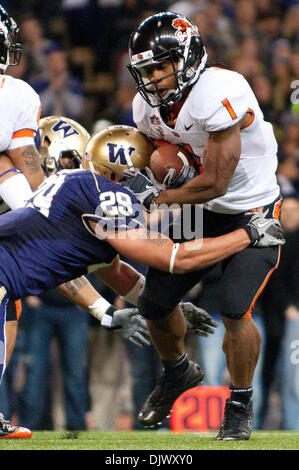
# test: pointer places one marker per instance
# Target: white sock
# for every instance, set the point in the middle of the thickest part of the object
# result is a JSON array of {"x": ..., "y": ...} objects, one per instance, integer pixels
[{"x": 15, "y": 191}]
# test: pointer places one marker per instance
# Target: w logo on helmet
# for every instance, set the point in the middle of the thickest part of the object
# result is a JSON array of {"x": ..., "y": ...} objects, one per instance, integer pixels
[
  {"x": 65, "y": 127},
  {"x": 117, "y": 152}
]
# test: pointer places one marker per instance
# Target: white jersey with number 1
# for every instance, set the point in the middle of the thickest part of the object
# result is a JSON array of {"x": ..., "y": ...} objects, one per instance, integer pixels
[
  {"x": 19, "y": 111},
  {"x": 218, "y": 100}
]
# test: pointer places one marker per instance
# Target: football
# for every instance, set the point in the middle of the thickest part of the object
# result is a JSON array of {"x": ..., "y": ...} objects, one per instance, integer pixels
[{"x": 169, "y": 156}]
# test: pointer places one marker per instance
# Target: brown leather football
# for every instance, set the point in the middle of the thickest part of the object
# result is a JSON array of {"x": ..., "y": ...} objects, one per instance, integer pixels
[{"x": 169, "y": 156}]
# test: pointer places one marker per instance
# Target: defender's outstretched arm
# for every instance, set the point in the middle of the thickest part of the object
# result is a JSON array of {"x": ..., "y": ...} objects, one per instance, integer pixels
[{"x": 161, "y": 253}]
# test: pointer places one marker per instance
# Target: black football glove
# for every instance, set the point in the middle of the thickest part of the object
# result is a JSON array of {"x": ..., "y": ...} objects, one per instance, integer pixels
[{"x": 199, "y": 322}]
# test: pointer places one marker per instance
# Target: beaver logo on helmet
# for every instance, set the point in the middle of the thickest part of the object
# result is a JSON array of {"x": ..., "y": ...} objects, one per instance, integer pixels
[{"x": 182, "y": 25}]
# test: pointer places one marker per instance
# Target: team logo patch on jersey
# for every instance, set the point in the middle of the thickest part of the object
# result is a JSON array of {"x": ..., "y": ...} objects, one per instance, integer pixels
[
  {"x": 65, "y": 127},
  {"x": 183, "y": 27},
  {"x": 155, "y": 121},
  {"x": 119, "y": 153}
]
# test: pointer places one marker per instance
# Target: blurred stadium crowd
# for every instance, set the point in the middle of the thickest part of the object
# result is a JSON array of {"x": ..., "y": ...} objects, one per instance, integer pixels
[{"x": 75, "y": 53}]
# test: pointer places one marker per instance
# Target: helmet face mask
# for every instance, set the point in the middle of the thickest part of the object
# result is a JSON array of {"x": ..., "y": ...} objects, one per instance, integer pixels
[
  {"x": 10, "y": 41},
  {"x": 166, "y": 37},
  {"x": 69, "y": 160},
  {"x": 64, "y": 160},
  {"x": 149, "y": 89},
  {"x": 15, "y": 48}
]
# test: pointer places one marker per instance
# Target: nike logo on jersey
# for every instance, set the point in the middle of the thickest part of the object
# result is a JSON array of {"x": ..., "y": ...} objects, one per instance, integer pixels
[
  {"x": 147, "y": 186},
  {"x": 188, "y": 127}
]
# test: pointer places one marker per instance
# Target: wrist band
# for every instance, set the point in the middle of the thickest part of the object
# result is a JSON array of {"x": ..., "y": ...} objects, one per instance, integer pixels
[
  {"x": 107, "y": 318},
  {"x": 175, "y": 248},
  {"x": 99, "y": 308}
]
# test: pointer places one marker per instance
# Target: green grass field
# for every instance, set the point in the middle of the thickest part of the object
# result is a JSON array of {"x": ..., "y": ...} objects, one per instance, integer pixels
[{"x": 149, "y": 440}]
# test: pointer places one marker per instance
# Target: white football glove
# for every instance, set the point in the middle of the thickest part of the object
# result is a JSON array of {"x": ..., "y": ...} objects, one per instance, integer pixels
[{"x": 152, "y": 178}]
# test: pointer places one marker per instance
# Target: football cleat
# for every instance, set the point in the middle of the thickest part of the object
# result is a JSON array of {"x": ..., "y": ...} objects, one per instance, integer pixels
[
  {"x": 158, "y": 405},
  {"x": 237, "y": 422},
  {"x": 8, "y": 431}
]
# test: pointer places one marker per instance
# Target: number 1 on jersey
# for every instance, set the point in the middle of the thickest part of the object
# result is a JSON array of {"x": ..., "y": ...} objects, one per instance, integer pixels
[{"x": 229, "y": 108}]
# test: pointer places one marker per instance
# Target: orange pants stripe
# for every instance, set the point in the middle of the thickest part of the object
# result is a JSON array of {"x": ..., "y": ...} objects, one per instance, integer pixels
[{"x": 249, "y": 312}]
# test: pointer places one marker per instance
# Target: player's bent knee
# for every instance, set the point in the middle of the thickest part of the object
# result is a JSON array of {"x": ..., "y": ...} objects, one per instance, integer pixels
[
  {"x": 234, "y": 316},
  {"x": 152, "y": 310},
  {"x": 233, "y": 305}
]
